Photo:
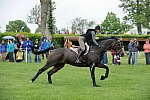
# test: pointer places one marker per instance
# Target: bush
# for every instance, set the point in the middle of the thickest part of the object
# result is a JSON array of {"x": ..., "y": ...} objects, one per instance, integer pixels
[{"x": 59, "y": 38}]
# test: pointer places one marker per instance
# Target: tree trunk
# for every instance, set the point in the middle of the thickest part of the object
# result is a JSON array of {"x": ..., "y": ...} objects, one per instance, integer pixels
[
  {"x": 139, "y": 28},
  {"x": 44, "y": 13}
]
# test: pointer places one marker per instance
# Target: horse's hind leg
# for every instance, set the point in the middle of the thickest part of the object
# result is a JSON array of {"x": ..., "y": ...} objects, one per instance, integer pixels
[
  {"x": 54, "y": 70},
  {"x": 40, "y": 71}
]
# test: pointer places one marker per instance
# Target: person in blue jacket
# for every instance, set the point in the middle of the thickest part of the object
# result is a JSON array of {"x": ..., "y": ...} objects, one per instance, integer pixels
[
  {"x": 11, "y": 48},
  {"x": 28, "y": 44},
  {"x": 3, "y": 50},
  {"x": 48, "y": 44},
  {"x": 42, "y": 47}
]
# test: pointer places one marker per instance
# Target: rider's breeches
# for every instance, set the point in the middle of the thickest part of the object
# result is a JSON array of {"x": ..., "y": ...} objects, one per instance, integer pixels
[{"x": 82, "y": 42}]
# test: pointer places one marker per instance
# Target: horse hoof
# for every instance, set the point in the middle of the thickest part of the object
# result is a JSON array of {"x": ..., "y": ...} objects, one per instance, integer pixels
[
  {"x": 50, "y": 82},
  {"x": 102, "y": 77},
  {"x": 32, "y": 80},
  {"x": 96, "y": 85}
]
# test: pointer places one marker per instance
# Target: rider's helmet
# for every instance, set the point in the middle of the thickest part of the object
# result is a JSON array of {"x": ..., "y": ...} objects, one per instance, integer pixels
[{"x": 97, "y": 27}]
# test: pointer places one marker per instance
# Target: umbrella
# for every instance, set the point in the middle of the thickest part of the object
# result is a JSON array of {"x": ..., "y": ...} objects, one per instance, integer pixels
[{"x": 8, "y": 37}]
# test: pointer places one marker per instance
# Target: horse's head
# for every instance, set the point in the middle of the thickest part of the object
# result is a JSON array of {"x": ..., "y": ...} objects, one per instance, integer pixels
[
  {"x": 117, "y": 46},
  {"x": 107, "y": 43}
]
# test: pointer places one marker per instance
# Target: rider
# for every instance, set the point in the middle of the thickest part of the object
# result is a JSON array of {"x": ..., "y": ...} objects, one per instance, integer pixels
[{"x": 89, "y": 37}]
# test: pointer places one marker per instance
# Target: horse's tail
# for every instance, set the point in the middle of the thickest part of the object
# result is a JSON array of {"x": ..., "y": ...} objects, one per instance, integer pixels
[{"x": 39, "y": 52}]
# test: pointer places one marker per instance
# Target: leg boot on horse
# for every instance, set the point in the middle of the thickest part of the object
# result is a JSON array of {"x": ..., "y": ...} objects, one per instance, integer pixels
[{"x": 81, "y": 52}]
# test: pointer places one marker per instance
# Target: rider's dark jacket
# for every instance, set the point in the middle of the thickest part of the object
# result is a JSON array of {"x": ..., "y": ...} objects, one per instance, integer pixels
[{"x": 90, "y": 36}]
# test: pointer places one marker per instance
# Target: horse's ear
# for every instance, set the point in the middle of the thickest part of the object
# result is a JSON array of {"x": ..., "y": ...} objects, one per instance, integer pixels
[{"x": 114, "y": 37}]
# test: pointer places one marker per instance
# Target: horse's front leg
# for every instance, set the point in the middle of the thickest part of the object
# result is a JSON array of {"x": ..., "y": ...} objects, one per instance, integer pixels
[
  {"x": 92, "y": 71},
  {"x": 106, "y": 73}
]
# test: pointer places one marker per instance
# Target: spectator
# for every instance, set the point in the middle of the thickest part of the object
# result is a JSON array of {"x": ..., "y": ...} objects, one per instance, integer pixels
[
  {"x": 3, "y": 50},
  {"x": 104, "y": 59},
  {"x": 27, "y": 45},
  {"x": 42, "y": 47},
  {"x": 113, "y": 56},
  {"x": 53, "y": 46},
  {"x": 11, "y": 48},
  {"x": 67, "y": 43},
  {"x": 130, "y": 51},
  {"x": 36, "y": 47},
  {"x": 17, "y": 46},
  {"x": 0, "y": 50},
  {"x": 19, "y": 55},
  {"x": 43, "y": 38},
  {"x": 116, "y": 58},
  {"x": 134, "y": 51},
  {"x": 21, "y": 42},
  {"x": 146, "y": 48},
  {"x": 47, "y": 45}
]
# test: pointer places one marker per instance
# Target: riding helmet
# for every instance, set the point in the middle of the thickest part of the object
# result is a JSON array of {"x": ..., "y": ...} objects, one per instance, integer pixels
[{"x": 97, "y": 27}]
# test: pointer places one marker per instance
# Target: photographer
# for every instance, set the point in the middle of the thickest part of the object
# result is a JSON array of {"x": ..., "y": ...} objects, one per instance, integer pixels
[{"x": 134, "y": 51}]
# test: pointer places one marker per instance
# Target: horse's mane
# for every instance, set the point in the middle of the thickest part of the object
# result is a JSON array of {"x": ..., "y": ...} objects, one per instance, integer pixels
[{"x": 105, "y": 38}]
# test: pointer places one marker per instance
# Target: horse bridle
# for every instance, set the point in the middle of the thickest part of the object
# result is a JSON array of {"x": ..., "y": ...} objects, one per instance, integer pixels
[{"x": 119, "y": 45}]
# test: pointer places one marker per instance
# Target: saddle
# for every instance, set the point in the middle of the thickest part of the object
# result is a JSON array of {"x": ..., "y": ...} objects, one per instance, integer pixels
[{"x": 77, "y": 48}]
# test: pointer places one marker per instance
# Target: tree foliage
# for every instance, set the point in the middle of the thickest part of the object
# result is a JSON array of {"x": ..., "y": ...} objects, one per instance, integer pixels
[
  {"x": 79, "y": 25},
  {"x": 51, "y": 19},
  {"x": 35, "y": 15},
  {"x": 112, "y": 24},
  {"x": 138, "y": 12},
  {"x": 17, "y": 26}
]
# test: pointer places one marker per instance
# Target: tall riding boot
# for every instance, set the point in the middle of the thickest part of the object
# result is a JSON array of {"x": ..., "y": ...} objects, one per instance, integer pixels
[{"x": 79, "y": 55}]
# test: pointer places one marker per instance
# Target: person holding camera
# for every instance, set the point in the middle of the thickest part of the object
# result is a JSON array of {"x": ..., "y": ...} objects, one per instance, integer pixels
[{"x": 134, "y": 51}]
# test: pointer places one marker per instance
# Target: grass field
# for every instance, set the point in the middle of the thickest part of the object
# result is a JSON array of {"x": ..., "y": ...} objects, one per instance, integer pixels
[{"x": 125, "y": 82}]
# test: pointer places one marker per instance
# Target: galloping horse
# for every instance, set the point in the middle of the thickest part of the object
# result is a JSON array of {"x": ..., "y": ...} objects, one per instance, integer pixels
[{"x": 61, "y": 56}]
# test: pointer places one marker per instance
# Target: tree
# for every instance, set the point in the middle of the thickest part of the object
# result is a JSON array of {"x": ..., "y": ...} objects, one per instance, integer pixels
[
  {"x": 112, "y": 24},
  {"x": 44, "y": 13},
  {"x": 146, "y": 12},
  {"x": 46, "y": 6},
  {"x": 17, "y": 26},
  {"x": 79, "y": 25},
  {"x": 35, "y": 16},
  {"x": 51, "y": 19},
  {"x": 137, "y": 12}
]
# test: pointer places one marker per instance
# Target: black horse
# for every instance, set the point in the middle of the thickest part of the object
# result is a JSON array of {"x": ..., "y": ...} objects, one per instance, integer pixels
[{"x": 61, "y": 56}]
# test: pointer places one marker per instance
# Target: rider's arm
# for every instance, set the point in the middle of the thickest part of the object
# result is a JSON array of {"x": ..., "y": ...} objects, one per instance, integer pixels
[{"x": 93, "y": 38}]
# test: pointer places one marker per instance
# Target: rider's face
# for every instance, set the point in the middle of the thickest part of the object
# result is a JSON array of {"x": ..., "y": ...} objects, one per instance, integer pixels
[{"x": 97, "y": 31}]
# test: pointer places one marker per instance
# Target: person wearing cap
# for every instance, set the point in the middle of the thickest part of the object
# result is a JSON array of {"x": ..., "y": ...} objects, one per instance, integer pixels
[{"x": 89, "y": 38}]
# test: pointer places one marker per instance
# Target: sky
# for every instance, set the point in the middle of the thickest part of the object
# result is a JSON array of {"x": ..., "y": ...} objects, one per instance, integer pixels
[{"x": 66, "y": 11}]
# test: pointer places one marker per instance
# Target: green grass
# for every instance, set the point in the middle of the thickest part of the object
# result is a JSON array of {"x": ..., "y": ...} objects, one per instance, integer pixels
[{"x": 125, "y": 82}]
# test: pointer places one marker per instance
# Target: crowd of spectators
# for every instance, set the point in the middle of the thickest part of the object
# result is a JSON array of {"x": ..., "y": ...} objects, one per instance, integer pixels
[
  {"x": 17, "y": 51},
  {"x": 21, "y": 50}
]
